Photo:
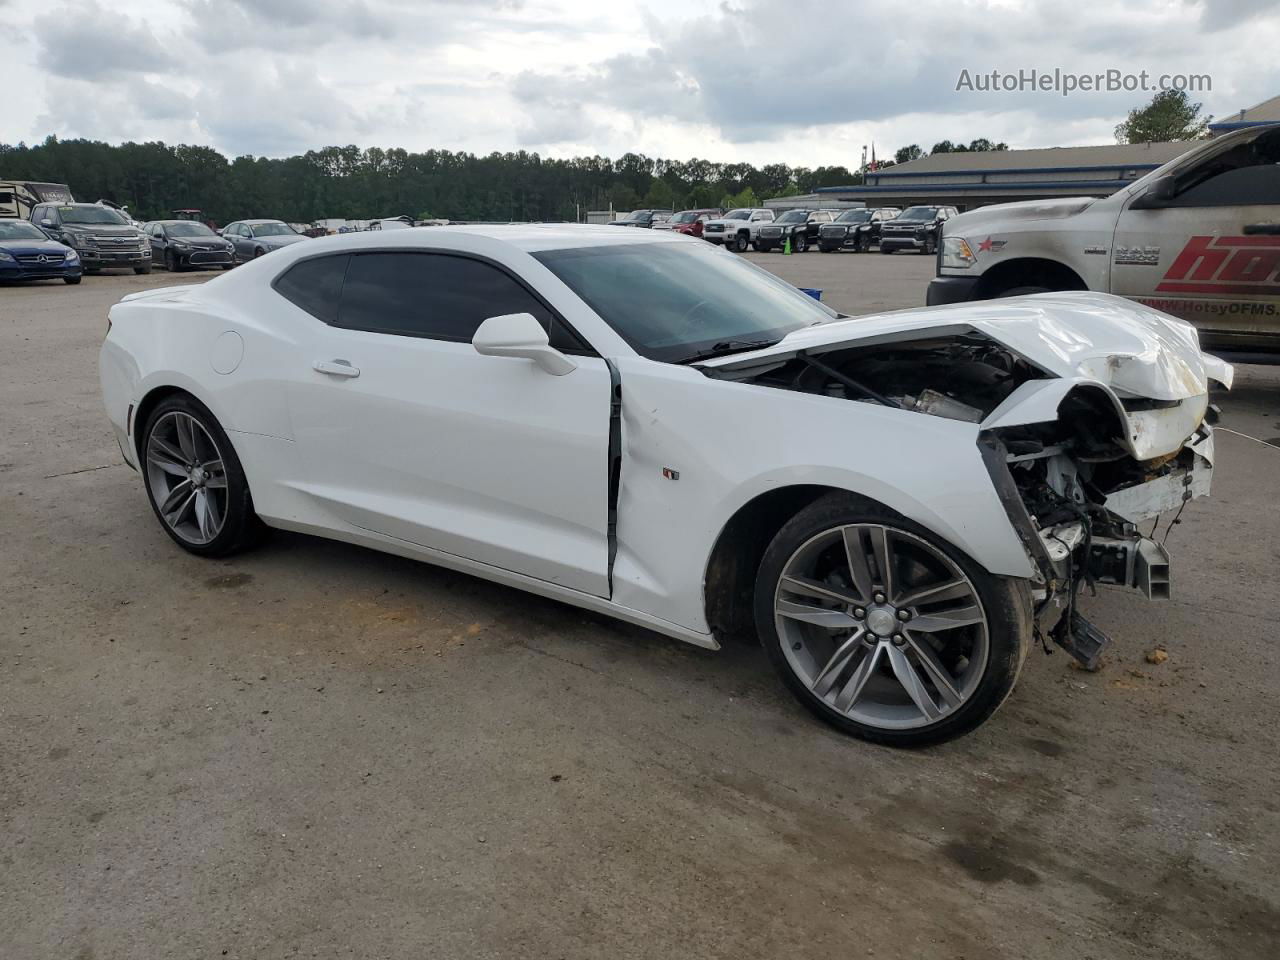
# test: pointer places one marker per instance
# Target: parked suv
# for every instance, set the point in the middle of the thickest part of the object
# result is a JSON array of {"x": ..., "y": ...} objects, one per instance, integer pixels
[
  {"x": 800, "y": 226},
  {"x": 689, "y": 222},
  {"x": 101, "y": 236},
  {"x": 854, "y": 230},
  {"x": 1198, "y": 238},
  {"x": 642, "y": 218},
  {"x": 737, "y": 228},
  {"x": 916, "y": 228},
  {"x": 184, "y": 244}
]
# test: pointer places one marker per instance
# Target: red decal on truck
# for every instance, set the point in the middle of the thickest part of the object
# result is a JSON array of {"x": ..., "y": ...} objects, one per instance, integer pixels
[{"x": 1226, "y": 265}]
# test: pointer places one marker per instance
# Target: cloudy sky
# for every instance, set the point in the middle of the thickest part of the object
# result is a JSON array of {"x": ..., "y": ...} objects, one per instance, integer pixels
[{"x": 804, "y": 82}]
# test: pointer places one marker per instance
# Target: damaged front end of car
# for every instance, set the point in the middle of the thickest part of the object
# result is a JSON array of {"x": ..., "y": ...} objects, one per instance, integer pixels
[{"x": 1086, "y": 428}]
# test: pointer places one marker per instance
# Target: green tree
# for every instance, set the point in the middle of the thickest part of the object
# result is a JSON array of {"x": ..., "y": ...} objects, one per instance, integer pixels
[
  {"x": 906, "y": 154},
  {"x": 1169, "y": 116}
]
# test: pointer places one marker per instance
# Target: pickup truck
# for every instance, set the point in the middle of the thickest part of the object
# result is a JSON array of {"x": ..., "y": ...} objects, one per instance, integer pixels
[
  {"x": 737, "y": 229},
  {"x": 855, "y": 230},
  {"x": 800, "y": 226},
  {"x": 1198, "y": 238},
  {"x": 642, "y": 218},
  {"x": 916, "y": 228}
]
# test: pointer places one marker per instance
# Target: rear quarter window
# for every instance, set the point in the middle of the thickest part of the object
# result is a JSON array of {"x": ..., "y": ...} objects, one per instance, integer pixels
[{"x": 315, "y": 285}]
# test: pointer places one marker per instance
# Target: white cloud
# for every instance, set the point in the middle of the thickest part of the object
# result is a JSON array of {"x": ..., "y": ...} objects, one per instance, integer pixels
[{"x": 803, "y": 82}]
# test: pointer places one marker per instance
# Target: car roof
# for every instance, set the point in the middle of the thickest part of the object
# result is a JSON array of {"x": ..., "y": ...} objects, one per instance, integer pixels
[
  {"x": 527, "y": 237},
  {"x": 264, "y": 220}
]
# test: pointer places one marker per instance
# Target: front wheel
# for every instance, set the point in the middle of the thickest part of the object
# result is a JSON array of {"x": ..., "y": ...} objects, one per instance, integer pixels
[
  {"x": 71, "y": 280},
  {"x": 741, "y": 243},
  {"x": 859, "y": 243},
  {"x": 800, "y": 243},
  {"x": 883, "y": 629},
  {"x": 194, "y": 480},
  {"x": 170, "y": 261},
  {"x": 930, "y": 246}
]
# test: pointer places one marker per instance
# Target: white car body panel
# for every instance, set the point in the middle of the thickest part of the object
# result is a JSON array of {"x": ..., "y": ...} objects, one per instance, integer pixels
[{"x": 489, "y": 465}]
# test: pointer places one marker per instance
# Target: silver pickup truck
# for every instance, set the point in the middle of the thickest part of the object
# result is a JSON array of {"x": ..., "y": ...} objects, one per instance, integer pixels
[{"x": 1198, "y": 238}]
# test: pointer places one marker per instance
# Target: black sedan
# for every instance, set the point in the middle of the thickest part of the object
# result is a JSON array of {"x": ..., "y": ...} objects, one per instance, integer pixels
[{"x": 187, "y": 244}]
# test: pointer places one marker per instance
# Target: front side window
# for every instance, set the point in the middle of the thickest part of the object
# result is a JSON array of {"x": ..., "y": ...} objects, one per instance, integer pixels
[
  {"x": 676, "y": 302},
  {"x": 1245, "y": 175}
]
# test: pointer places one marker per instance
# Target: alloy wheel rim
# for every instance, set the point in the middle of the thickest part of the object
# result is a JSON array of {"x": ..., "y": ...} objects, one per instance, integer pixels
[
  {"x": 881, "y": 626},
  {"x": 187, "y": 477}
]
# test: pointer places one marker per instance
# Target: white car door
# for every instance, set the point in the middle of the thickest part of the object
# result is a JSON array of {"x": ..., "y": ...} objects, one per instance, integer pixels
[
  {"x": 405, "y": 430},
  {"x": 1209, "y": 252}
]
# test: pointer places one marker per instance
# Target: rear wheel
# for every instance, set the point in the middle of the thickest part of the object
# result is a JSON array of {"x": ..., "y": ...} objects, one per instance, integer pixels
[
  {"x": 883, "y": 629},
  {"x": 194, "y": 480}
]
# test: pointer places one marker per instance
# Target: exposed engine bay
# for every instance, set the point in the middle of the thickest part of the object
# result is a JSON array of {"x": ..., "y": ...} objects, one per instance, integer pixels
[{"x": 1072, "y": 486}]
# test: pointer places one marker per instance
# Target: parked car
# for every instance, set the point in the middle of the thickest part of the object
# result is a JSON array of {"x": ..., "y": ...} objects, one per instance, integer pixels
[
  {"x": 800, "y": 227},
  {"x": 916, "y": 228},
  {"x": 102, "y": 237},
  {"x": 1198, "y": 238},
  {"x": 254, "y": 238},
  {"x": 642, "y": 218},
  {"x": 27, "y": 253},
  {"x": 187, "y": 244},
  {"x": 391, "y": 223},
  {"x": 737, "y": 229},
  {"x": 855, "y": 230},
  {"x": 896, "y": 505},
  {"x": 688, "y": 222}
]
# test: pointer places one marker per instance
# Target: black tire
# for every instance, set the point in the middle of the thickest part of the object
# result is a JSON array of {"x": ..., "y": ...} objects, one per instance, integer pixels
[
  {"x": 930, "y": 246},
  {"x": 741, "y": 242},
  {"x": 1005, "y": 601},
  {"x": 799, "y": 242},
  {"x": 1023, "y": 291},
  {"x": 241, "y": 527},
  {"x": 71, "y": 280},
  {"x": 170, "y": 261},
  {"x": 145, "y": 268},
  {"x": 859, "y": 243}
]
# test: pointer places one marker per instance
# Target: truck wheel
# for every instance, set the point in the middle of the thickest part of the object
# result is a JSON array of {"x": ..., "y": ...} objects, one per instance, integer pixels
[
  {"x": 799, "y": 242},
  {"x": 930, "y": 247},
  {"x": 741, "y": 243},
  {"x": 859, "y": 243}
]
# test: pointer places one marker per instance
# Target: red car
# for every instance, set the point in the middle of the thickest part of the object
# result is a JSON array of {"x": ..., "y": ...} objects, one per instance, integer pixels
[{"x": 689, "y": 221}]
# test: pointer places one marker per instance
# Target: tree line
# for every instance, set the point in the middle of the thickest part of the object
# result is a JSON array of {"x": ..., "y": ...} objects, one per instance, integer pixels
[{"x": 153, "y": 179}]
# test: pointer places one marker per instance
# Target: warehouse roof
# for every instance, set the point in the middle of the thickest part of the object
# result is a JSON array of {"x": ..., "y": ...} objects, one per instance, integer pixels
[
  {"x": 1268, "y": 111},
  {"x": 1045, "y": 159}
]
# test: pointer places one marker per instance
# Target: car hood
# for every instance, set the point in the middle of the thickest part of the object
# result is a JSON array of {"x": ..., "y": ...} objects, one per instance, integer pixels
[
  {"x": 1133, "y": 350},
  {"x": 737, "y": 223},
  {"x": 1004, "y": 214},
  {"x": 26, "y": 248},
  {"x": 102, "y": 230},
  {"x": 282, "y": 241}
]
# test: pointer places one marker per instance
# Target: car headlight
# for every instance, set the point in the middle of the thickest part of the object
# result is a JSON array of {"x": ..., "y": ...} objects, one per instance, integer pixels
[
  {"x": 72, "y": 257},
  {"x": 180, "y": 245},
  {"x": 957, "y": 254},
  {"x": 7, "y": 257}
]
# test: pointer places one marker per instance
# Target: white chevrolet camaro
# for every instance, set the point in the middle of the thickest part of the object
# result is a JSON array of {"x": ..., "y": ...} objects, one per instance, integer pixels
[{"x": 641, "y": 424}]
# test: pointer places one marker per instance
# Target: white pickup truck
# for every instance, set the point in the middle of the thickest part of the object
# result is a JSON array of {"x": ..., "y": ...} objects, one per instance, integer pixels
[
  {"x": 737, "y": 229},
  {"x": 1198, "y": 238}
]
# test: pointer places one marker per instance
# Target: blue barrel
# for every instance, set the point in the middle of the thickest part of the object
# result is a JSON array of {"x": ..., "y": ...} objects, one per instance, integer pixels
[{"x": 816, "y": 294}]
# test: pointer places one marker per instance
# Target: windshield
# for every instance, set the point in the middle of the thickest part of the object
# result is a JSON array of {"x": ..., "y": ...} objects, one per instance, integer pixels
[
  {"x": 854, "y": 216},
  {"x": 687, "y": 217},
  {"x": 271, "y": 230},
  {"x": 637, "y": 215},
  {"x": 187, "y": 229},
  {"x": 792, "y": 216},
  {"x": 673, "y": 302},
  {"x": 20, "y": 230},
  {"x": 738, "y": 215},
  {"x": 918, "y": 213},
  {"x": 92, "y": 214}
]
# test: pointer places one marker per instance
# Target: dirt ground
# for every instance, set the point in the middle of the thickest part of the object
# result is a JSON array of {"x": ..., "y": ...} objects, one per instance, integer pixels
[{"x": 314, "y": 750}]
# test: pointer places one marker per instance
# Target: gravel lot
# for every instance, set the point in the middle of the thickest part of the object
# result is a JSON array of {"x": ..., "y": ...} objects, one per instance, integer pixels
[{"x": 314, "y": 750}]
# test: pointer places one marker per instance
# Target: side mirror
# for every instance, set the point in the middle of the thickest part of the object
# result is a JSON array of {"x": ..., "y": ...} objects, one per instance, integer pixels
[
  {"x": 46, "y": 222},
  {"x": 1155, "y": 196},
  {"x": 521, "y": 335}
]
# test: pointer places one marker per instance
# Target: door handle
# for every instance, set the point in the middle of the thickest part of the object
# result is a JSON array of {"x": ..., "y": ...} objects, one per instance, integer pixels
[
  {"x": 1257, "y": 229},
  {"x": 336, "y": 368}
]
